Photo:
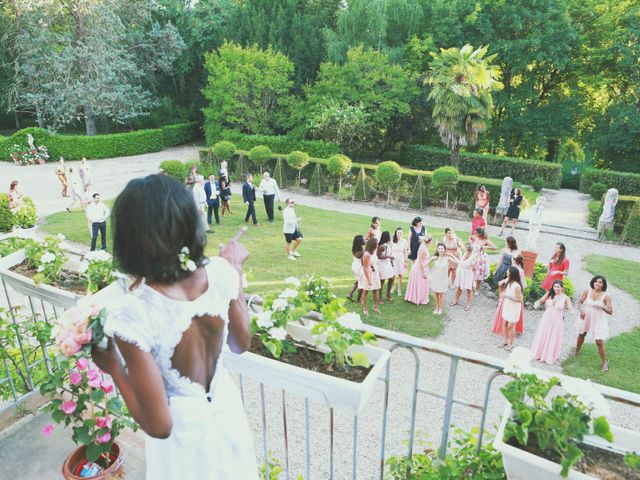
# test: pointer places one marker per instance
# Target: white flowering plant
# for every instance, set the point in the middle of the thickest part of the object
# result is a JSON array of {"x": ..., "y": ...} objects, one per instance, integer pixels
[
  {"x": 277, "y": 311},
  {"x": 47, "y": 258},
  {"x": 98, "y": 268},
  {"x": 555, "y": 425},
  {"x": 319, "y": 291},
  {"x": 339, "y": 330}
]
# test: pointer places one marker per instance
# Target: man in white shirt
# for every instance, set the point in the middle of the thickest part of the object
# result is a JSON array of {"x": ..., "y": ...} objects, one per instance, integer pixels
[
  {"x": 269, "y": 188},
  {"x": 291, "y": 231},
  {"x": 200, "y": 198},
  {"x": 97, "y": 213}
]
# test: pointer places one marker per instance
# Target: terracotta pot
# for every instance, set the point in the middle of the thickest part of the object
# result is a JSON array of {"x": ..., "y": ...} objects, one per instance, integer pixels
[
  {"x": 114, "y": 472},
  {"x": 529, "y": 259}
]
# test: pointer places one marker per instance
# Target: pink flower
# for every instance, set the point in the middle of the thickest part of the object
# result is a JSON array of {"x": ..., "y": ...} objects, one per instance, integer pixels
[
  {"x": 92, "y": 374},
  {"x": 69, "y": 347},
  {"x": 95, "y": 383},
  {"x": 47, "y": 430},
  {"x": 106, "y": 387},
  {"x": 75, "y": 378},
  {"x": 102, "y": 422},
  {"x": 83, "y": 336},
  {"x": 68, "y": 407},
  {"x": 82, "y": 363},
  {"x": 104, "y": 438},
  {"x": 94, "y": 310}
]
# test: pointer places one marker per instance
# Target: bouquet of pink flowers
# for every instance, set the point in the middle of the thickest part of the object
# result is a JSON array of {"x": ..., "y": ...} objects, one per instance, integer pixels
[{"x": 79, "y": 328}]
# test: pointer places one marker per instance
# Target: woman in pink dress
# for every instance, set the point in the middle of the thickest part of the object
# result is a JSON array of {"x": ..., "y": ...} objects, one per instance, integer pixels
[
  {"x": 385, "y": 262},
  {"x": 357, "y": 250},
  {"x": 558, "y": 266},
  {"x": 498, "y": 323},
  {"x": 593, "y": 302},
  {"x": 481, "y": 244},
  {"x": 512, "y": 306},
  {"x": 400, "y": 251},
  {"x": 465, "y": 277},
  {"x": 418, "y": 285},
  {"x": 482, "y": 201},
  {"x": 370, "y": 279},
  {"x": 454, "y": 246},
  {"x": 440, "y": 275},
  {"x": 548, "y": 340}
]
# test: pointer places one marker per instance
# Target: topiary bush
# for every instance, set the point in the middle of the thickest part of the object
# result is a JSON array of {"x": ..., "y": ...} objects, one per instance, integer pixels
[
  {"x": 260, "y": 155},
  {"x": 317, "y": 184},
  {"x": 223, "y": 150},
  {"x": 298, "y": 160},
  {"x": 388, "y": 175},
  {"x": 6, "y": 216},
  {"x": 538, "y": 184},
  {"x": 338, "y": 166},
  {"x": 26, "y": 216},
  {"x": 631, "y": 232},
  {"x": 597, "y": 190},
  {"x": 444, "y": 182},
  {"x": 175, "y": 169}
]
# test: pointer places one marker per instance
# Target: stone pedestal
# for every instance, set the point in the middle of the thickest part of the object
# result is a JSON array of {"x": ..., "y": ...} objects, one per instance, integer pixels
[{"x": 529, "y": 258}]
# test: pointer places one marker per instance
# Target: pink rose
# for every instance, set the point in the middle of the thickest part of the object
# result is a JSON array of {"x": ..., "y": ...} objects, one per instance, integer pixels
[
  {"x": 106, "y": 387},
  {"x": 83, "y": 336},
  {"x": 104, "y": 438},
  {"x": 95, "y": 383},
  {"x": 92, "y": 374},
  {"x": 75, "y": 378},
  {"x": 47, "y": 430},
  {"x": 82, "y": 363},
  {"x": 68, "y": 407},
  {"x": 103, "y": 422},
  {"x": 69, "y": 347},
  {"x": 94, "y": 310}
]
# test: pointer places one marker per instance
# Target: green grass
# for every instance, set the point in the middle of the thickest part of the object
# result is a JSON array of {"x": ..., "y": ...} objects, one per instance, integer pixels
[
  {"x": 622, "y": 350},
  {"x": 326, "y": 252}
]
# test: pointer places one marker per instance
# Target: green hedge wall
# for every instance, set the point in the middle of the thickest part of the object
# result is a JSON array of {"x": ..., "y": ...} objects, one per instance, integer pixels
[
  {"x": 278, "y": 143},
  {"x": 74, "y": 147},
  {"x": 625, "y": 205},
  {"x": 626, "y": 183},
  {"x": 631, "y": 231},
  {"x": 484, "y": 165}
]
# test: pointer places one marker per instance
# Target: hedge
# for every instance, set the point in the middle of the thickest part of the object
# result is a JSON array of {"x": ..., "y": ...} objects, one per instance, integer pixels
[
  {"x": 626, "y": 183},
  {"x": 25, "y": 217},
  {"x": 278, "y": 143},
  {"x": 74, "y": 147},
  {"x": 631, "y": 232},
  {"x": 483, "y": 165},
  {"x": 624, "y": 207}
]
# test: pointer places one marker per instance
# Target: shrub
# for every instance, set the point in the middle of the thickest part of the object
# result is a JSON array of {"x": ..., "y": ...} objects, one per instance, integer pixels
[
  {"x": 280, "y": 143},
  {"x": 26, "y": 216},
  {"x": 260, "y": 155},
  {"x": 175, "y": 169},
  {"x": 537, "y": 183},
  {"x": 338, "y": 166},
  {"x": 179, "y": 133},
  {"x": 316, "y": 182},
  {"x": 388, "y": 175},
  {"x": 595, "y": 209},
  {"x": 74, "y": 147},
  {"x": 6, "y": 217},
  {"x": 626, "y": 183},
  {"x": 223, "y": 150},
  {"x": 631, "y": 231},
  {"x": 597, "y": 190},
  {"x": 444, "y": 178},
  {"x": 298, "y": 160}
]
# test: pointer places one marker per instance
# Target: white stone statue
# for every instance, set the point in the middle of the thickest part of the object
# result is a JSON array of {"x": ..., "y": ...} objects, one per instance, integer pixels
[
  {"x": 30, "y": 141},
  {"x": 505, "y": 192},
  {"x": 535, "y": 223},
  {"x": 608, "y": 211}
]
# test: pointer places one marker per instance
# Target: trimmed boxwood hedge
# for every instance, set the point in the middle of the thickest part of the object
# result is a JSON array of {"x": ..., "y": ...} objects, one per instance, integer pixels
[
  {"x": 631, "y": 232},
  {"x": 278, "y": 143},
  {"x": 483, "y": 165},
  {"x": 626, "y": 183},
  {"x": 624, "y": 207},
  {"x": 179, "y": 133}
]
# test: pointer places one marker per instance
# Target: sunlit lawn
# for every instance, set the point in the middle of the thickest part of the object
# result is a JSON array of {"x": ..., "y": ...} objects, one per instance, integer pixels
[
  {"x": 622, "y": 351},
  {"x": 326, "y": 251}
]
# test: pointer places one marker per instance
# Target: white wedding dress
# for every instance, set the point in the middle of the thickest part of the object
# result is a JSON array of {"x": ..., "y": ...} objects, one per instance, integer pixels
[{"x": 210, "y": 439}]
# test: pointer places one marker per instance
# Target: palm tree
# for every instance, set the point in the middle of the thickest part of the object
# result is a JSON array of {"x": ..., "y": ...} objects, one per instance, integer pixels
[{"x": 462, "y": 81}]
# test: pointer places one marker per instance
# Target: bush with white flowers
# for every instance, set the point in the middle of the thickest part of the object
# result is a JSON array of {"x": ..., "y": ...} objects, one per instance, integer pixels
[
  {"x": 318, "y": 289},
  {"x": 46, "y": 257}
]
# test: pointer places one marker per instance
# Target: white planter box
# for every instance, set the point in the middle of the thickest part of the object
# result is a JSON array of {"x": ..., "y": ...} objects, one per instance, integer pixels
[
  {"x": 521, "y": 465},
  {"x": 347, "y": 396}
]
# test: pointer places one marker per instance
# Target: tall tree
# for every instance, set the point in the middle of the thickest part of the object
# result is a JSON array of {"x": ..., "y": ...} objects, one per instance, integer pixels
[{"x": 463, "y": 81}]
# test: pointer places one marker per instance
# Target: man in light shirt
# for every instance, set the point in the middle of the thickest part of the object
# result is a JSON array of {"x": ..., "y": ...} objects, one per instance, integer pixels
[
  {"x": 269, "y": 188},
  {"x": 97, "y": 213},
  {"x": 292, "y": 235}
]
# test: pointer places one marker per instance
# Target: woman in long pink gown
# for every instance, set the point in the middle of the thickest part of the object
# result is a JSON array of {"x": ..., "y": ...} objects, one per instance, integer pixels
[
  {"x": 548, "y": 340},
  {"x": 418, "y": 285}
]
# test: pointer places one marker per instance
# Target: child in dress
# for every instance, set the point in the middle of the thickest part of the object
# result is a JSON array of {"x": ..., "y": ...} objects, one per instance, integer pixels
[
  {"x": 400, "y": 251},
  {"x": 548, "y": 340},
  {"x": 465, "y": 276},
  {"x": 370, "y": 279},
  {"x": 440, "y": 275},
  {"x": 512, "y": 306},
  {"x": 357, "y": 250},
  {"x": 418, "y": 285},
  {"x": 385, "y": 262}
]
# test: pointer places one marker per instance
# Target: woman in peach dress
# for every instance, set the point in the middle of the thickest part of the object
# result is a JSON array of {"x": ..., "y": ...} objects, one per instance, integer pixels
[
  {"x": 498, "y": 323},
  {"x": 482, "y": 201},
  {"x": 418, "y": 286},
  {"x": 548, "y": 340},
  {"x": 512, "y": 305},
  {"x": 370, "y": 278}
]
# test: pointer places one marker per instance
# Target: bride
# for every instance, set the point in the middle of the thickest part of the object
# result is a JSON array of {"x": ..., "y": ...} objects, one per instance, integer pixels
[{"x": 171, "y": 330}]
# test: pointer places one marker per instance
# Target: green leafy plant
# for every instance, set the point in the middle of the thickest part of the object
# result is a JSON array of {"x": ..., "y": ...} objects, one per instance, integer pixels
[
  {"x": 338, "y": 166},
  {"x": 174, "y": 168},
  {"x": 26, "y": 216},
  {"x": 6, "y": 215},
  {"x": 597, "y": 190},
  {"x": 11, "y": 245},
  {"x": 298, "y": 160},
  {"x": 47, "y": 258},
  {"x": 388, "y": 175},
  {"x": 444, "y": 180},
  {"x": 223, "y": 150},
  {"x": 632, "y": 460},
  {"x": 260, "y": 155},
  {"x": 537, "y": 184},
  {"x": 318, "y": 290},
  {"x": 99, "y": 270}
]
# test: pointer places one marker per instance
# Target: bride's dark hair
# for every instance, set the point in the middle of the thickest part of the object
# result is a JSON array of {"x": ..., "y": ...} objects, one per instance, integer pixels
[{"x": 153, "y": 218}]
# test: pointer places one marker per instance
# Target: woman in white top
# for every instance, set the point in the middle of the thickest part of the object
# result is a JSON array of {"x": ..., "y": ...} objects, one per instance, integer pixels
[
  {"x": 400, "y": 252},
  {"x": 512, "y": 305},
  {"x": 171, "y": 330},
  {"x": 385, "y": 263}
]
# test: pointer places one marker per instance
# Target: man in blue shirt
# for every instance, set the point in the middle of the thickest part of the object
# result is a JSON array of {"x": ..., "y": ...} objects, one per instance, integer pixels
[{"x": 212, "y": 189}]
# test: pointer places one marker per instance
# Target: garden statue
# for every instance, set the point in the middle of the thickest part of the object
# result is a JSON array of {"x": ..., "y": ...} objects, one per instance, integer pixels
[
  {"x": 505, "y": 192},
  {"x": 608, "y": 211},
  {"x": 535, "y": 222},
  {"x": 30, "y": 142}
]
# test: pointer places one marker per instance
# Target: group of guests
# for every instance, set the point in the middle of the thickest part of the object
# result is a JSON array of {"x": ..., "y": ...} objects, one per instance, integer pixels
[{"x": 76, "y": 182}]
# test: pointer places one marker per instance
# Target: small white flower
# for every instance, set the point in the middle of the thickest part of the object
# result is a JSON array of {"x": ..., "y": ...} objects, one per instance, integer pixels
[
  {"x": 83, "y": 267},
  {"x": 519, "y": 361},
  {"x": 584, "y": 391},
  {"x": 40, "y": 268},
  {"x": 293, "y": 281},
  {"x": 280, "y": 304},
  {"x": 60, "y": 237},
  {"x": 185, "y": 250},
  {"x": 191, "y": 266},
  {"x": 48, "y": 257},
  {"x": 264, "y": 319},
  {"x": 288, "y": 293},
  {"x": 97, "y": 256},
  {"x": 278, "y": 333},
  {"x": 350, "y": 320}
]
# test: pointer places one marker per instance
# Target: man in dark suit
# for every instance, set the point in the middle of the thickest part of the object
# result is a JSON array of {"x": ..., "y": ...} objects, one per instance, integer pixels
[
  {"x": 249, "y": 198},
  {"x": 212, "y": 189}
]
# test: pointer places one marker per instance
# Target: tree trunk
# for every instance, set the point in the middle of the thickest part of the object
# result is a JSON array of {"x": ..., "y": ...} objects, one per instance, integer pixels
[
  {"x": 455, "y": 155},
  {"x": 90, "y": 120},
  {"x": 39, "y": 116},
  {"x": 552, "y": 150},
  {"x": 17, "y": 119}
]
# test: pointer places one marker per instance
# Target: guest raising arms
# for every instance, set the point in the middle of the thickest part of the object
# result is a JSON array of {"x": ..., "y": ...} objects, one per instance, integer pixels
[
  {"x": 465, "y": 276},
  {"x": 418, "y": 284},
  {"x": 374, "y": 230},
  {"x": 481, "y": 244},
  {"x": 548, "y": 339},
  {"x": 61, "y": 173},
  {"x": 558, "y": 266},
  {"x": 454, "y": 246},
  {"x": 517, "y": 262},
  {"x": 512, "y": 305},
  {"x": 370, "y": 280},
  {"x": 508, "y": 253},
  {"x": 416, "y": 232},
  {"x": 357, "y": 250},
  {"x": 513, "y": 213},
  {"x": 440, "y": 275},
  {"x": 477, "y": 221},
  {"x": 482, "y": 201},
  {"x": 399, "y": 250},
  {"x": 385, "y": 262},
  {"x": 593, "y": 302}
]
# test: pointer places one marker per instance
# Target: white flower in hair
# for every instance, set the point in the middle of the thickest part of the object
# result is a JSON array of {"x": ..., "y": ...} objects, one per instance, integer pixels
[{"x": 186, "y": 263}]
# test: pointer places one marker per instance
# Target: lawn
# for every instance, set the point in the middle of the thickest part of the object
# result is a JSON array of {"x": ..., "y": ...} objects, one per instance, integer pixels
[
  {"x": 326, "y": 252},
  {"x": 621, "y": 350}
]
